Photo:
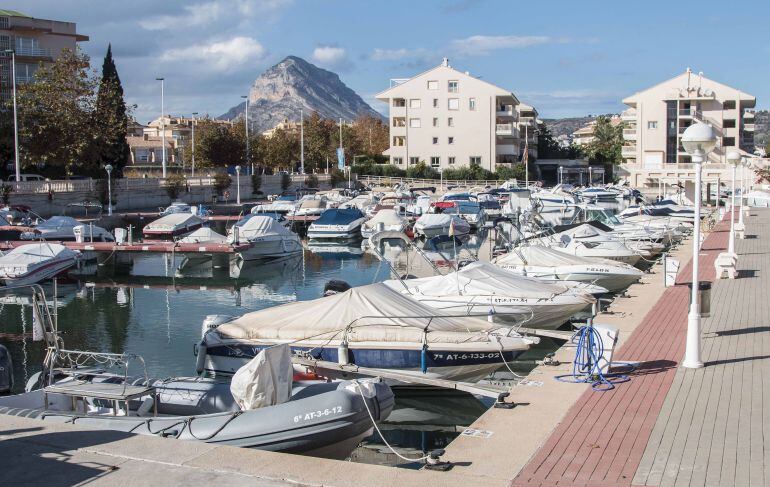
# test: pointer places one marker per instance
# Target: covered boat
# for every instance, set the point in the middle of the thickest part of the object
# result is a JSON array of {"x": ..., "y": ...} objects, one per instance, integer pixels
[
  {"x": 432, "y": 225},
  {"x": 176, "y": 207},
  {"x": 384, "y": 220},
  {"x": 370, "y": 326},
  {"x": 204, "y": 235},
  {"x": 266, "y": 235},
  {"x": 481, "y": 288},
  {"x": 586, "y": 241},
  {"x": 173, "y": 225},
  {"x": 337, "y": 223},
  {"x": 62, "y": 228},
  {"x": 547, "y": 263},
  {"x": 35, "y": 262}
]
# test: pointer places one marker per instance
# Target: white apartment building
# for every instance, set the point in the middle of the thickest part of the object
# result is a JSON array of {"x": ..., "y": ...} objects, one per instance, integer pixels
[
  {"x": 658, "y": 116},
  {"x": 528, "y": 129},
  {"x": 448, "y": 118}
]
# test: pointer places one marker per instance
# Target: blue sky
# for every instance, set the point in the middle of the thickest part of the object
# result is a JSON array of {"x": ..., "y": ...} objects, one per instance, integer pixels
[{"x": 568, "y": 58}]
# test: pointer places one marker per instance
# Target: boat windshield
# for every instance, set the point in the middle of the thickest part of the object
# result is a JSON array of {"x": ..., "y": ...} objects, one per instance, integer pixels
[
  {"x": 339, "y": 216},
  {"x": 59, "y": 221},
  {"x": 275, "y": 216}
]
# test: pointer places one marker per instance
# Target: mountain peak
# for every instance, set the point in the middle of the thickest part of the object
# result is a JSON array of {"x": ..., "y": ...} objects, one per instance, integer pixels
[{"x": 294, "y": 84}]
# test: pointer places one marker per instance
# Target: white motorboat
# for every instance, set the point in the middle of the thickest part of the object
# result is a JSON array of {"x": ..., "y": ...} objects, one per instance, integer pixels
[
  {"x": 285, "y": 203},
  {"x": 267, "y": 237},
  {"x": 586, "y": 240},
  {"x": 62, "y": 229},
  {"x": 384, "y": 220},
  {"x": 173, "y": 225},
  {"x": 555, "y": 197},
  {"x": 176, "y": 207},
  {"x": 547, "y": 263},
  {"x": 470, "y": 211},
  {"x": 481, "y": 288},
  {"x": 309, "y": 205},
  {"x": 599, "y": 194},
  {"x": 371, "y": 326},
  {"x": 438, "y": 222},
  {"x": 35, "y": 262},
  {"x": 337, "y": 224}
]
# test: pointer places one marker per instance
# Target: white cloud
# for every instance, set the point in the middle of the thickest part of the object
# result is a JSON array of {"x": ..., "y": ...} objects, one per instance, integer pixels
[
  {"x": 482, "y": 45},
  {"x": 206, "y": 13},
  {"x": 397, "y": 54},
  {"x": 331, "y": 56},
  {"x": 221, "y": 55}
]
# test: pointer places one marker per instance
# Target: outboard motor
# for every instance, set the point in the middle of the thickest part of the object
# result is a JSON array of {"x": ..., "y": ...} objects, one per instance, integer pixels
[
  {"x": 6, "y": 371},
  {"x": 335, "y": 286}
]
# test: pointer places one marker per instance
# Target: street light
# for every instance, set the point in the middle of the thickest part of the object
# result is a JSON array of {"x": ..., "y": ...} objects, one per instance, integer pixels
[
  {"x": 698, "y": 140},
  {"x": 248, "y": 154},
  {"x": 15, "y": 114},
  {"x": 162, "y": 122},
  {"x": 238, "y": 184},
  {"x": 108, "y": 168},
  {"x": 561, "y": 174},
  {"x": 734, "y": 158},
  {"x": 193, "y": 144},
  {"x": 744, "y": 187}
]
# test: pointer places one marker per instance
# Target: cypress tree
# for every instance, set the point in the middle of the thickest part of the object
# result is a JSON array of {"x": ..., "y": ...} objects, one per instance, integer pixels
[{"x": 111, "y": 119}]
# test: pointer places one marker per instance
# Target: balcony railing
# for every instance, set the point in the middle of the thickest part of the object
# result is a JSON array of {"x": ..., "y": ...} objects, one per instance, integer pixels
[
  {"x": 505, "y": 110},
  {"x": 689, "y": 112},
  {"x": 32, "y": 51},
  {"x": 628, "y": 151},
  {"x": 629, "y": 134},
  {"x": 505, "y": 129},
  {"x": 748, "y": 113},
  {"x": 628, "y": 115},
  {"x": 749, "y": 127}
]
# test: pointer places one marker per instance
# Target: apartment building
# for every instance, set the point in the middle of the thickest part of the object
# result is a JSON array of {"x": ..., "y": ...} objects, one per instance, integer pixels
[
  {"x": 528, "y": 130},
  {"x": 585, "y": 134},
  {"x": 148, "y": 150},
  {"x": 448, "y": 118},
  {"x": 34, "y": 41}
]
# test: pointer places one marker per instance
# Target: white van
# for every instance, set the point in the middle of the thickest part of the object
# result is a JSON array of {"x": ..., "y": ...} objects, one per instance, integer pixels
[{"x": 26, "y": 177}]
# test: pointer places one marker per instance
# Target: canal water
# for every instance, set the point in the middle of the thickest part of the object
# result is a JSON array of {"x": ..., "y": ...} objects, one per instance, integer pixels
[{"x": 154, "y": 305}]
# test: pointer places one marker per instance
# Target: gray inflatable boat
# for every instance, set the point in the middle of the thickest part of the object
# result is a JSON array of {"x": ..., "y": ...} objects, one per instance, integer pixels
[{"x": 326, "y": 419}]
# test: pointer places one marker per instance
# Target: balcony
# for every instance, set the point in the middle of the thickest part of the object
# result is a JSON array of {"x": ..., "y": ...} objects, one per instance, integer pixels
[
  {"x": 748, "y": 114},
  {"x": 748, "y": 126},
  {"x": 32, "y": 52},
  {"x": 528, "y": 121},
  {"x": 629, "y": 134},
  {"x": 628, "y": 151},
  {"x": 689, "y": 113},
  {"x": 505, "y": 129},
  {"x": 628, "y": 115},
  {"x": 505, "y": 111}
]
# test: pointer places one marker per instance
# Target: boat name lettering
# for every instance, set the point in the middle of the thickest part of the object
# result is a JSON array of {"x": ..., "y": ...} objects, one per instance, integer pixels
[
  {"x": 464, "y": 356},
  {"x": 598, "y": 269},
  {"x": 317, "y": 414}
]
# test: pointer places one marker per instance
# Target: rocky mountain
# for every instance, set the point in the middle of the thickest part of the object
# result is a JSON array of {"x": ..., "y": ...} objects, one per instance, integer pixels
[{"x": 293, "y": 84}]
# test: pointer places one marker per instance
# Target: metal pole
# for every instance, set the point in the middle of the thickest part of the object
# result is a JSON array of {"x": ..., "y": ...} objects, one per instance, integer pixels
[
  {"x": 731, "y": 241},
  {"x": 692, "y": 357},
  {"x": 109, "y": 193},
  {"x": 526, "y": 158},
  {"x": 15, "y": 119},
  {"x": 301, "y": 141},
  {"x": 193, "y": 145},
  {"x": 238, "y": 184},
  {"x": 163, "y": 122}
]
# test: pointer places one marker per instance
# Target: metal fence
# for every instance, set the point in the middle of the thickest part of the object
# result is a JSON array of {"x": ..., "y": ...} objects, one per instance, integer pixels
[{"x": 391, "y": 181}]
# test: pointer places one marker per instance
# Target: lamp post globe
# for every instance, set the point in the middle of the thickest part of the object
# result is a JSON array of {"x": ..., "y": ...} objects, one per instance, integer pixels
[
  {"x": 108, "y": 168},
  {"x": 698, "y": 140}
]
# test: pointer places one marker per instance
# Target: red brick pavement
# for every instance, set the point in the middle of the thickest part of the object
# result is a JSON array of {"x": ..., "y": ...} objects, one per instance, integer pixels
[{"x": 603, "y": 441}]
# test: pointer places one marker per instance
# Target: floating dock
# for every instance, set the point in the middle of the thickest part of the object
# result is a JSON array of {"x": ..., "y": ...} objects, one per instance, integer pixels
[{"x": 156, "y": 246}]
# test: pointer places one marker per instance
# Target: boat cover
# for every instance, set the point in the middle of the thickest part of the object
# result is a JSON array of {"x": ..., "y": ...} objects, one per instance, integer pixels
[
  {"x": 434, "y": 220},
  {"x": 265, "y": 380},
  {"x": 537, "y": 255},
  {"x": 339, "y": 216},
  {"x": 35, "y": 253},
  {"x": 369, "y": 313},
  {"x": 263, "y": 226},
  {"x": 173, "y": 221},
  {"x": 482, "y": 278},
  {"x": 204, "y": 235},
  {"x": 389, "y": 217}
]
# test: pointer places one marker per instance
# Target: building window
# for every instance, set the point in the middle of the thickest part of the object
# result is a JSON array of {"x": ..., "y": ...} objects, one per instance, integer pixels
[
  {"x": 435, "y": 161},
  {"x": 652, "y": 125},
  {"x": 450, "y": 122},
  {"x": 451, "y": 140},
  {"x": 472, "y": 104},
  {"x": 435, "y": 103},
  {"x": 399, "y": 122},
  {"x": 399, "y": 103},
  {"x": 399, "y": 141},
  {"x": 728, "y": 141},
  {"x": 415, "y": 103},
  {"x": 398, "y": 160},
  {"x": 433, "y": 85},
  {"x": 475, "y": 160},
  {"x": 728, "y": 105},
  {"x": 451, "y": 161},
  {"x": 415, "y": 123},
  {"x": 729, "y": 124},
  {"x": 414, "y": 161},
  {"x": 435, "y": 140},
  {"x": 435, "y": 121},
  {"x": 453, "y": 87},
  {"x": 453, "y": 104},
  {"x": 4, "y": 23}
]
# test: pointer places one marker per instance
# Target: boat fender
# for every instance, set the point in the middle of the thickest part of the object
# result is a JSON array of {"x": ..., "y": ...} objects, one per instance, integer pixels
[
  {"x": 200, "y": 361},
  {"x": 6, "y": 371},
  {"x": 424, "y": 358},
  {"x": 342, "y": 354}
]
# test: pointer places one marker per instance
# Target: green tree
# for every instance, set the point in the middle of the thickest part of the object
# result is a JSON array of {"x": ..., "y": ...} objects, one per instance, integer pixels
[
  {"x": 281, "y": 150},
  {"x": 547, "y": 147},
  {"x": 422, "y": 171},
  {"x": 110, "y": 121},
  {"x": 372, "y": 134},
  {"x": 55, "y": 117},
  {"x": 218, "y": 145},
  {"x": 607, "y": 143}
]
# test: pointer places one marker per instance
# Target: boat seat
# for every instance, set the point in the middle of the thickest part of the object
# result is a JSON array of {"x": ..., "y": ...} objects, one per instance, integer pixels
[{"x": 105, "y": 391}]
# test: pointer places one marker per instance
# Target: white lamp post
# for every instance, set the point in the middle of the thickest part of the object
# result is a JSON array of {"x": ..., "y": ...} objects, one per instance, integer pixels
[
  {"x": 108, "y": 168},
  {"x": 590, "y": 177},
  {"x": 698, "y": 140},
  {"x": 192, "y": 174},
  {"x": 744, "y": 187},
  {"x": 561, "y": 174},
  {"x": 162, "y": 122},
  {"x": 238, "y": 184},
  {"x": 15, "y": 115},
  {"x": 734, "y": 158},
  {"x": 248, "y": 154}
]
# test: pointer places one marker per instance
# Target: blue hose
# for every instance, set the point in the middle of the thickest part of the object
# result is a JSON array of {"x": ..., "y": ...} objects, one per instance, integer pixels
[{"x": 586, "y": 368}]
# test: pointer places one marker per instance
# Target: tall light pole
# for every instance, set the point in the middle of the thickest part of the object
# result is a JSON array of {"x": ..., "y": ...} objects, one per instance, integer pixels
[
  {"x": 15, "y": 115},
  {"x": 238, "y": 184},
  {"x": 561, "y": 174},
  {"x": 163, "y": 121},
  {"x": 734, "y": 158},
  {"x": 698, "y": 140},
  {"x": 746, "y": 168},
  {"x": 301, "y": 141},
  {"x": 192, "y": 174},
  {"x": 246, "y": 121},
  {"x": 108, "y": 168}
]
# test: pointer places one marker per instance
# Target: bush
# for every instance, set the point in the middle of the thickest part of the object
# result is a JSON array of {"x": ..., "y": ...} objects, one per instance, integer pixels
[
  {"x": 422, "y": 171},
  {"x": 256, "y": 183},
  {"x": 311, "y": 181},
  {"x": 222, "y": 181},
  {"x": 175, "y": 184},
  {"x": 336, "y": 176},
  {"x": 285, "y": 181}
]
